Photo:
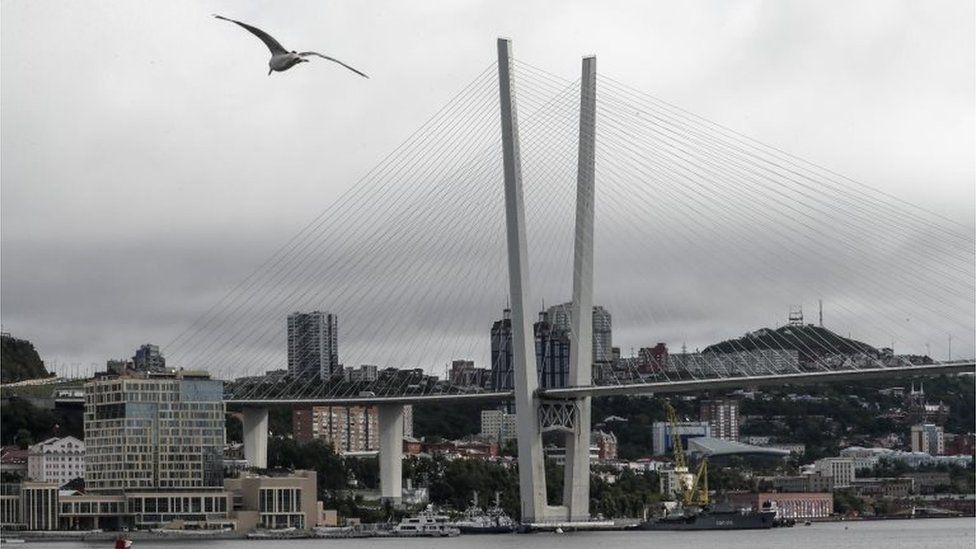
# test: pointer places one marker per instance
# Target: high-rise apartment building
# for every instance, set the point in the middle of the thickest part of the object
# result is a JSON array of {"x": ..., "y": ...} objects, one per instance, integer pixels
[
  {"x": 345, "y": 428},
  {"x": 313, "y": 345},
  {"x": 502, "y": 364},
  {"x": 928, "y": 438},
  {"x": 552, "y": 353},
  {"x": 153, "y": 430},
  {"x": 498, "y": 425},
  {"x": 148, "y": 358},
  {"x": 552, "y": 346},
  {"x": 561, "y": 318},
  {"x": 722, "y": 416}
]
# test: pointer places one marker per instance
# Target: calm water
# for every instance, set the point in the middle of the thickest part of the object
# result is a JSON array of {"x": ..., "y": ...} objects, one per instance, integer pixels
[{"x": 897, "y": 534}]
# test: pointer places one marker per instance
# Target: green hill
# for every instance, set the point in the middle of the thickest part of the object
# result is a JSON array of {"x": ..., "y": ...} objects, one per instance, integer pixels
[
  {"x": 810, "y": 341},
  {"x": 19, "y": 360}
]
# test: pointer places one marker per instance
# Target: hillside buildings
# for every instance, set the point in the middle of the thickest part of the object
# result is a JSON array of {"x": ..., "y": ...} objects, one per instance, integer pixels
[{"x": 313, "y": 345}]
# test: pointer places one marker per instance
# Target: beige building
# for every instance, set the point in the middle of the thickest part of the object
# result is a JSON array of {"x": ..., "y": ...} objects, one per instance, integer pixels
[
  {"x": 263, "y": 501},
  {"x": 345, "y": 428},
  {"x": 840, "y": 468},
  {"x": 245, "y": 503},
  {"x": 154, "y": 430},
  {"x": 928, "y": 438}
]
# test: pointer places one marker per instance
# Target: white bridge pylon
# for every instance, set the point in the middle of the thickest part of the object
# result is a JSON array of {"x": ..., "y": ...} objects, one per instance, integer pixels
[{"x": 533, "y": 414}]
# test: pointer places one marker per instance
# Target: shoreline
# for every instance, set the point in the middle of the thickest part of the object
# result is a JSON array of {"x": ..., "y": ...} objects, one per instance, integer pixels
[{"x": 71, "y": 536}]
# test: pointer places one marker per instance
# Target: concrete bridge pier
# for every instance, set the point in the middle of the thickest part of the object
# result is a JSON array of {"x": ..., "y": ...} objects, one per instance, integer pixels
[
  {"x": 390, "y": 418},
  {"x": 256, "y": 437}
]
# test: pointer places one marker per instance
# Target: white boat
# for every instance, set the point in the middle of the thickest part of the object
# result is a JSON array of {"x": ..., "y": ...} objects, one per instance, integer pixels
[{"x": 426, "y": 523}]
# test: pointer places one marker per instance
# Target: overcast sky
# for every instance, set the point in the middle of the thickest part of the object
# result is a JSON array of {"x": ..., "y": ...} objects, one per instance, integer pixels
[{"x": 149, "y": 162}]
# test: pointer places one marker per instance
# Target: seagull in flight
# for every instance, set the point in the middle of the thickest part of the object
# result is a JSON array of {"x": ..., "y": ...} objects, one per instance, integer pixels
[{"x": 282, "y": 59}]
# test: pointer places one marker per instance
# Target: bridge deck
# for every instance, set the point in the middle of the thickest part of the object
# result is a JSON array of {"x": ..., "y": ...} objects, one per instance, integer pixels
[{"x": 631, "y": 388}]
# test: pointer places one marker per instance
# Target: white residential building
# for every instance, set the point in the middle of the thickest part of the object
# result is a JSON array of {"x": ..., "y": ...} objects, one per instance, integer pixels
[
  {"x": 498, "y": 426},
  {"x": 56, "y": 460},
  {"x": 841, "y": 468}
]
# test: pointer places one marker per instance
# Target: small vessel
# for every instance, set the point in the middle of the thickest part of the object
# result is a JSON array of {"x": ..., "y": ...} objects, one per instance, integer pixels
[
  {"x": 123, "y": 542},
  {"x": 478, "y": 521},
  {"x": 426, "y": 523}
]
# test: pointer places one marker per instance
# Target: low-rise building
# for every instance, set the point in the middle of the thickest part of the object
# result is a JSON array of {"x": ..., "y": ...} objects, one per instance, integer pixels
[
  {"x": 661, "y": 436},
  {"x": 13, "y": 461},
  {"x": 789, "y": 505},
  {"x": 365, "y": 373},
  {"x": 813, "y": 482},
  {"x": 928, "y": 482},
  {"x": 271, "y": 501},
  {"x": 57, "y": 460},
  {"x": 840, "y": 468},
  {"x": 886, "y": 487},
  {"x": 247, "y": 502},
  {"x": 39, "y": 505},
  {"x": 10, "y": 506}
]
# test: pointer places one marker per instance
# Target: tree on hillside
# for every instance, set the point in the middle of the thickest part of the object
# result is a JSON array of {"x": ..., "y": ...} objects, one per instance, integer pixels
[{"x": 19, "y": 360}]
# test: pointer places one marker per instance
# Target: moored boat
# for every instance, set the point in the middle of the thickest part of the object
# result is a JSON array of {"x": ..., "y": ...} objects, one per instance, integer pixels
[{"x": 427, "y": 523}]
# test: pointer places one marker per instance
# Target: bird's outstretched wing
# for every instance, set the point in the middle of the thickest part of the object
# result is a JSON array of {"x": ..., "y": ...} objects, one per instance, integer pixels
[
  {"x": 268, "y": 40},
  {"x": 334, "y": 60}
]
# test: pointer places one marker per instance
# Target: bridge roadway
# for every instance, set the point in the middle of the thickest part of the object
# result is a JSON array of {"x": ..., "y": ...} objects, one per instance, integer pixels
[{"x": 656, "y": 387}]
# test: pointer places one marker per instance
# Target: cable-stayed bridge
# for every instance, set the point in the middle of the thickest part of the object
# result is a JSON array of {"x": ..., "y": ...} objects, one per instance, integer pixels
[{"x": 676, "y": 224}]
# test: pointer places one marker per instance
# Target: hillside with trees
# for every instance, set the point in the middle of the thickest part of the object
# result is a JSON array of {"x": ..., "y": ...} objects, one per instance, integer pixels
[{"x": 19, "y": 360}]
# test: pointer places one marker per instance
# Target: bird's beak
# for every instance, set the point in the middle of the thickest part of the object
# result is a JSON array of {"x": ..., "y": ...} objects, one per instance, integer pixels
[{"x": 270, "y": 71}]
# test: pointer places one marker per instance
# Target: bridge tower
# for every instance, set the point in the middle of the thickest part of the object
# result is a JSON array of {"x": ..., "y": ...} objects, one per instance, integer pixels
[{"x": 570, "y": 415}]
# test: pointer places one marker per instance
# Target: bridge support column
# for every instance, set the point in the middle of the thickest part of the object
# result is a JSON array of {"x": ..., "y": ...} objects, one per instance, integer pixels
[
  {"x": 255, "y": 422},
  {"x": 531, "y": 461},
  {"x": 576, "y": 485},
  {"x": 390, "y": 418}
]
